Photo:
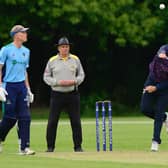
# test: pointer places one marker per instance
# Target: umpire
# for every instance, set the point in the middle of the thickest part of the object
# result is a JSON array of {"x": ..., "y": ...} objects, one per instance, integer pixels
[{"x": 64, "y": 73}]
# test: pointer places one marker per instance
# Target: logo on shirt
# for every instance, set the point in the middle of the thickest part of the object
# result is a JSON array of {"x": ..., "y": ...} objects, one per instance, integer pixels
[
  {"x": 14, "y": 62},
  {"x": 72, "y": 68}
]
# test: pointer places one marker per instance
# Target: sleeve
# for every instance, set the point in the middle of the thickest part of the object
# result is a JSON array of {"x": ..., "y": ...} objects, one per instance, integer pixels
[
  {"x": 149, "y": 81},
  {"x": 80, "y": 75},
  {"x": 48, "y": 77},
  {"x": 3, "y": 56},
  {"x": 162, "y": 85}
]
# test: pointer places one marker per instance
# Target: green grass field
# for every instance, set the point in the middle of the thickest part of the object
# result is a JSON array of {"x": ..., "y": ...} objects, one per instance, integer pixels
[{"x": 131, "y": 147}]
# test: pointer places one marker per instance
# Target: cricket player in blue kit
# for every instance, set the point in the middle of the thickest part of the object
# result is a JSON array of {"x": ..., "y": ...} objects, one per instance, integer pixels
[{"x": 15, "y": 91}]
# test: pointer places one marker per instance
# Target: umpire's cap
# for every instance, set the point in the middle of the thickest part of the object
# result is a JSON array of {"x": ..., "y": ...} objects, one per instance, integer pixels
[
  {"x": 63, "y": 41},
  {"x": 18, "y": 28}
]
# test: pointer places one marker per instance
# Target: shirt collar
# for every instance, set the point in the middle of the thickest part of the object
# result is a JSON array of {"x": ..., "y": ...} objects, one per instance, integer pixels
[{"x": 65, "y": 58}]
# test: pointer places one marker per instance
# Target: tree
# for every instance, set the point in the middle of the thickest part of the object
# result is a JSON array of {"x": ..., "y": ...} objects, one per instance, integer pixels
[
  {"x": 102, "y": 31},
  {"x": 126, "y": 21}
]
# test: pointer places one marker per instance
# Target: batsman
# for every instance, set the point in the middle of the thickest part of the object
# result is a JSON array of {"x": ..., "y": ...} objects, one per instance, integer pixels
[{"x": 15, "y": 91}]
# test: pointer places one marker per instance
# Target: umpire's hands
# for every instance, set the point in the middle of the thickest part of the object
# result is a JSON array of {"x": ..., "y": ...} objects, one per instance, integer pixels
[{"x": 67, "y": 82}]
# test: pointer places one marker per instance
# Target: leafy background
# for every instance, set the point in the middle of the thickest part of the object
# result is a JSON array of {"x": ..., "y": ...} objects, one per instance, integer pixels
[{"x": 115, "y": 41}]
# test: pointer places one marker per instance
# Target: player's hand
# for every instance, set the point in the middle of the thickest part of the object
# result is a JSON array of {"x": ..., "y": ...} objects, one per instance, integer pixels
[
  {"x": 150, "y": 89},
  {"x": 3, "y": 94},
  {"x": 30, "y": 95}
]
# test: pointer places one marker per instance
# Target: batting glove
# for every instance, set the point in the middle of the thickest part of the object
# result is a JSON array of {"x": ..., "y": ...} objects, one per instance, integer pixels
[
  {"x": 30, "y": 95},
  {"x": 3, "y": 94}
]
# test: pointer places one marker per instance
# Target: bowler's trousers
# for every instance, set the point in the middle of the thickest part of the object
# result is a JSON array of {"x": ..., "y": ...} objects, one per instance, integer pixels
[
  {"x": 154, "y": 105},
  {"x": 70, "y": 103}
]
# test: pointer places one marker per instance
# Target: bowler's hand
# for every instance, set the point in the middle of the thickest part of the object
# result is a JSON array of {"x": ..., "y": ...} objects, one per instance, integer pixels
[
  {"x": 150, "y": 89},
  {"x": 66, "y": 82}
]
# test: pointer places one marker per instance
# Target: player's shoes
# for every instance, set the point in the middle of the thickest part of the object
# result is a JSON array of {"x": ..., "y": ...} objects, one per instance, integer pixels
[
  {"x": 154, "y": 146},
  {"x": 79, "y": 149},
  {"x": 166, "y": 122},
  {"x": 27, "y": 151},
  {"x": 0, "y": 146},
  {"x": 50, "y": 150}
]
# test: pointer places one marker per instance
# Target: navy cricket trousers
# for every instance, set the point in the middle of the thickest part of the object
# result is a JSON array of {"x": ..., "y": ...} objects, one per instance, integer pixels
[
  {"x": 16, "y": 110},
  {"x": 154, "y": 105}
]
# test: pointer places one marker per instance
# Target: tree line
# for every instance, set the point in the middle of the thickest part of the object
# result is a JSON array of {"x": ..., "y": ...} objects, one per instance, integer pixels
[{"x": 115, "y": 41}]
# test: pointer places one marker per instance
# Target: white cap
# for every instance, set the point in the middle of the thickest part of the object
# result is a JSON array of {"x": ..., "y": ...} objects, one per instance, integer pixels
[{"x": 18, "y": 28}]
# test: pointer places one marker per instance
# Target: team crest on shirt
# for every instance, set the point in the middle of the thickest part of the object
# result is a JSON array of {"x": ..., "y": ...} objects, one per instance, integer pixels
[
  {"x": 14, "y": 62},
  {"x": 72, "y": 67}
]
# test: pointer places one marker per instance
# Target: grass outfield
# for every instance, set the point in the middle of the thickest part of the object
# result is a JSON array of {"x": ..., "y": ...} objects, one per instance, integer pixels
[{"x": 131, "y": 147}]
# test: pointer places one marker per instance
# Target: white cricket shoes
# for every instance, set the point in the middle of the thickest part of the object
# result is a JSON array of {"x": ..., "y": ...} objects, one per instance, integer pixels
[
  {"x": 154, "y": 146},
  {"x": 27, "y": 151}
]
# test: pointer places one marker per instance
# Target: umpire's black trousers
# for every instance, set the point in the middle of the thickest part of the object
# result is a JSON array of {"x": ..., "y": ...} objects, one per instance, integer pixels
[{"x": 70, "y": 102}]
